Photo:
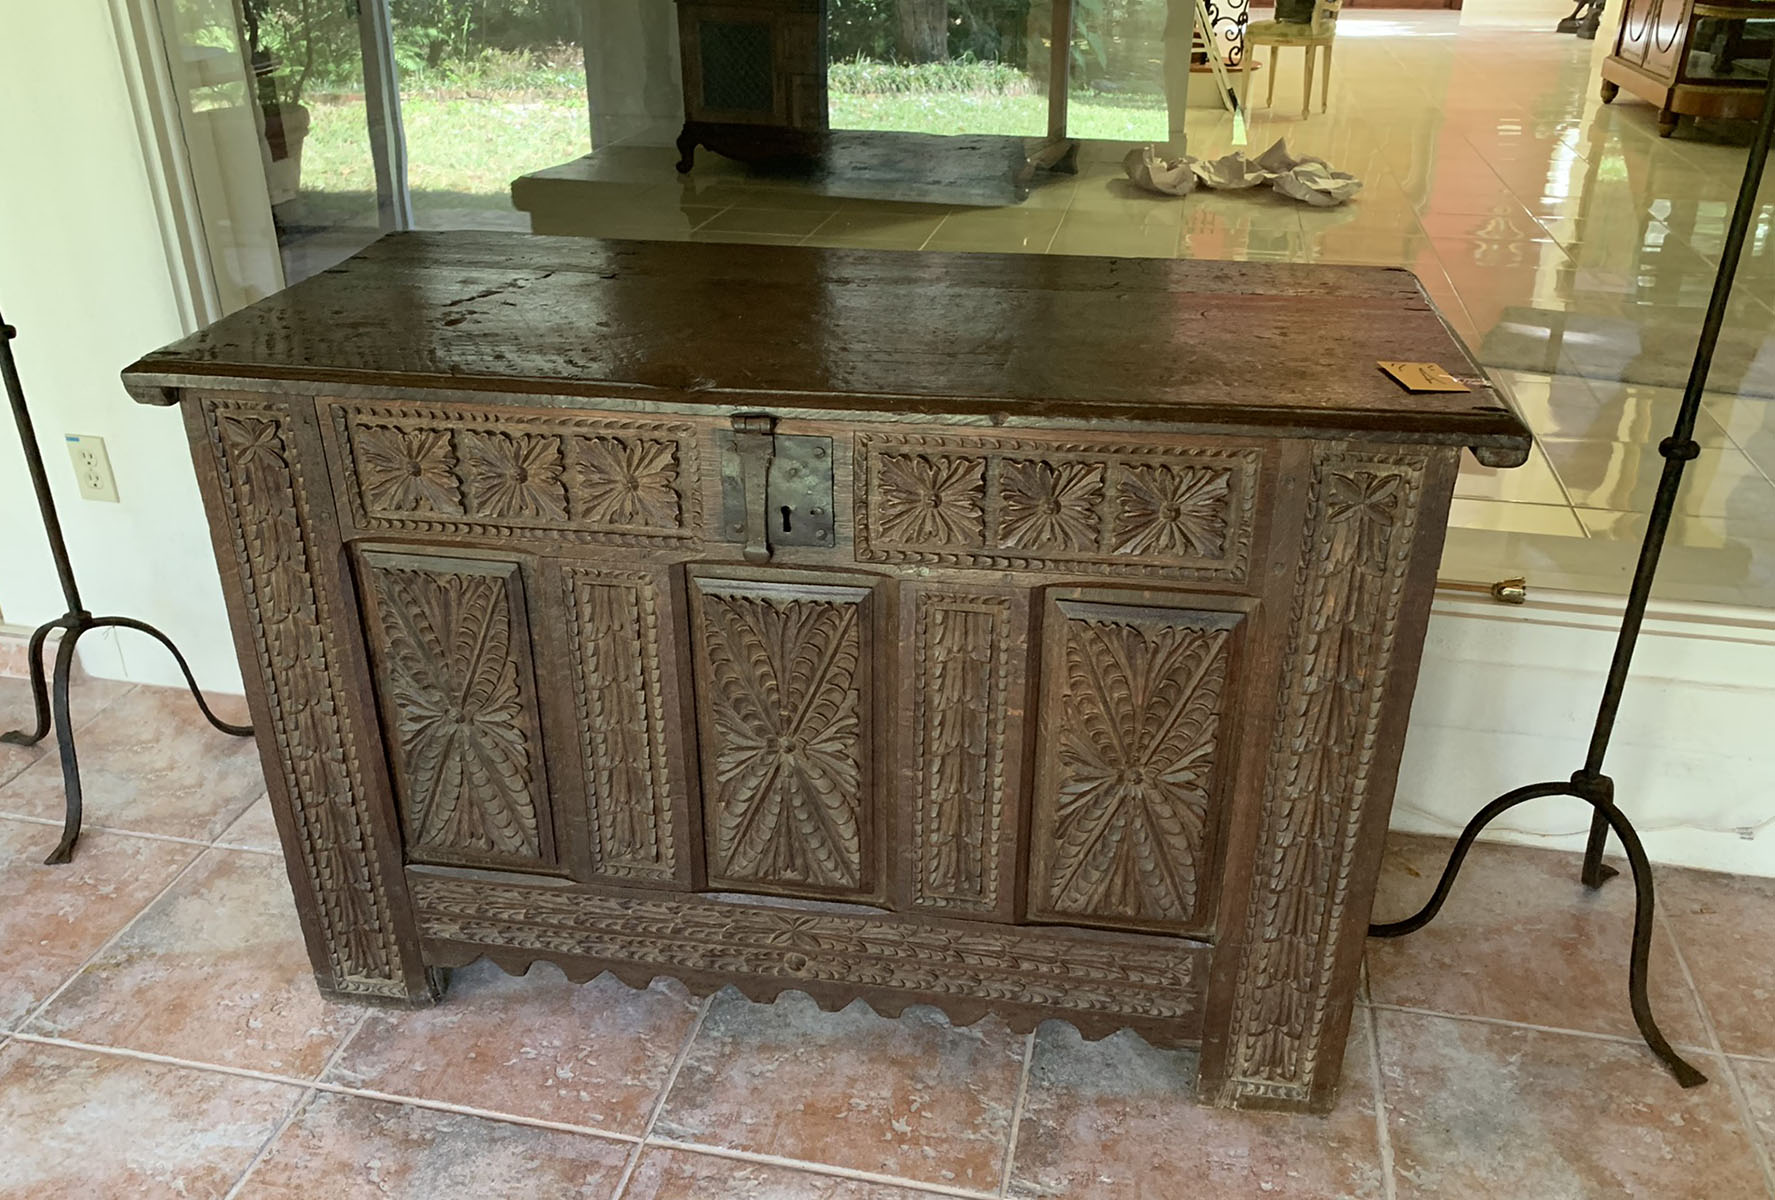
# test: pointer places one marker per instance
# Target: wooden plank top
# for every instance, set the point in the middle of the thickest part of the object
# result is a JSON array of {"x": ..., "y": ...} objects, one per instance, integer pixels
[{"x": 1025, "y": 337}]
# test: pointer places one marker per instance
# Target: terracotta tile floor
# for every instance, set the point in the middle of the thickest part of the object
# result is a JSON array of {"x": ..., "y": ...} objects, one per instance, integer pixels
[{"x": 160, "y": 1036}]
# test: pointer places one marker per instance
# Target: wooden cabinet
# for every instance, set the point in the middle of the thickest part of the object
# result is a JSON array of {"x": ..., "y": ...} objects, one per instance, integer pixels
[
  {"x": 754, "y": 77},
  {"x": 1690, "y": 57},
  {"x": 1026, "y": 635}
]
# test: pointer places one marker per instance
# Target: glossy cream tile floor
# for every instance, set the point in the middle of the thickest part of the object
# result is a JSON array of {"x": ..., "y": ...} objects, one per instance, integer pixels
[
  {"x": 161, "y": 1035},
  {"x": 1571, "y": 248}
]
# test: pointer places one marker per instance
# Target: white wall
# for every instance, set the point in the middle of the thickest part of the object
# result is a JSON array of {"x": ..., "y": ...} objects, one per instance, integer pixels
[
  {"x": 84, "y": 276},
  {"x": 1507, "y": 697}
]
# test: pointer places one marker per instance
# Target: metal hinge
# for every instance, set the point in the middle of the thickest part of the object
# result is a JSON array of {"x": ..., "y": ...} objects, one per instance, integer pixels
[{"x": 775, "y": 490}]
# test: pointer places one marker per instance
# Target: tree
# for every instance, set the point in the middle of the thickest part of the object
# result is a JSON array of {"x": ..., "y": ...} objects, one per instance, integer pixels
[{"x": 924, "y": 30}]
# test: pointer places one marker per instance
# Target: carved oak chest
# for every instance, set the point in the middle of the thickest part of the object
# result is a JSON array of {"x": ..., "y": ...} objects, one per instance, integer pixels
[{"x": 1031, "y": 635}]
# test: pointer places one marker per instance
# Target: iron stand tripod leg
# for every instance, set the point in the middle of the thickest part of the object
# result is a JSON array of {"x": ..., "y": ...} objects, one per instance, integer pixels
[
  {"x": 1590, "y": 784},
  {"x": 49, "y": 697}
]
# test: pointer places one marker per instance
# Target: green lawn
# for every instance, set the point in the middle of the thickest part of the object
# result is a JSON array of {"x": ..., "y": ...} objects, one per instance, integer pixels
[{"x": 473, "y": 146}]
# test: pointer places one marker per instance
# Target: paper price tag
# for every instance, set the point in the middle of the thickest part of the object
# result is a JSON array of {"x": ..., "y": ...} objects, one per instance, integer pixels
[{"x": 1423, "y": 377}]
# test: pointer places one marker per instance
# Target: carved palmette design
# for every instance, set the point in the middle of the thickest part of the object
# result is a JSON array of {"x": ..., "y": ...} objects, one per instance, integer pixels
[
  {"x": 962, "y": 665},
  {"x": 452, "y": 668},
  {"x": 588, "y": 479},
  {"x": 1130, "y": 771},
  {"x": 1350, "y": 587},
  {"x": 1127, "y": 980},
  {"x": 783, "y": 671},
  {"x": 1061, "y": 505},
  {"x": 613, "y": 625},
  {"x": 266, "y": 501}
]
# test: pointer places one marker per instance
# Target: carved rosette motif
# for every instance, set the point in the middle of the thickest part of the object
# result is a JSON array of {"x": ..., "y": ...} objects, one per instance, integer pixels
[
  {"x": 1172, "y": 511},
  {"x": 1123, "y": 819},
  {"x": 931, "y": 498},
  {"x": 1361, "y": 523},
  {"x": 267, "y": 506},
  {"x": 588, "y": 479},
  {"x": 961, "y": 662},
  {"x": 1046, "y": 506},
  {"x": 1004, "y": 503},
  {"x": 1125, "y": 981},
  {"x": 784, "y": 668},
  {"x": 614, "y": 629},
  {"x": 465, "y": 737}
]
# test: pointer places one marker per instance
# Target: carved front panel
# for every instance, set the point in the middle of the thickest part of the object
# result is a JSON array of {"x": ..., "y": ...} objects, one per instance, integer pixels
[
  {"x": 268, "y": 516},
  {"x": 625, "y": 689},
  {"x": 966, "y": 683},
  {"x": 1026, "y": 504},
  {"x": 783, "y": 677},
  {"x": 1128, "y": 791},
  {"x": 450, "y": 642},
  {"x": 586, "y": 479},
  {"x": 1350, "y": 590}
]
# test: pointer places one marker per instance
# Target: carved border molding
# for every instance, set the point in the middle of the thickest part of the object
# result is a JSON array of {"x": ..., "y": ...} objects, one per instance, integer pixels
[
  {"x": 594, "y": 480},
  {"x": 1125, "y": 981},
  {"x": 1026, "y": 504},
  {"x": 961, "y": 691},
  {"x": 269, "y": 523},
  {"x": 613, "y": 629},
  {"x": 1349, "y": 589}
]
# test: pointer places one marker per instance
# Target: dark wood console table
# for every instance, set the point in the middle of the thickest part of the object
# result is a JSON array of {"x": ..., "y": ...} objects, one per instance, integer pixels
[{"x": 1031, "y": 635}]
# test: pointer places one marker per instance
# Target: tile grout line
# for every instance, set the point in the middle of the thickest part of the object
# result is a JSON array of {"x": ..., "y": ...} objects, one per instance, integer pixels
[
  {"x": 1383, "y": 1135},
  {"x": 36, "y": 1012},
  {"x": 1004, "y": 1179},
  {"x": 830, "y": 1170},
  {"x": 87, "y": 827},
  {"x": 1740, "y": 1101},
  {"x": 665, "y": 1091},
  {"x": 296, "y": 1109},
  {"x": 1594, "y": 1035},
  {"x": 444, "y": 1106}
]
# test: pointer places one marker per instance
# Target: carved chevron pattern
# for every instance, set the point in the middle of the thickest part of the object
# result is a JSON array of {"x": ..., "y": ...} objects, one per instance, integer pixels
[
  {"x": 268, "y": 521},
  {"x": 1124, "y": 821},
  {"x": 614, "y": 626},
  {"x": 962, "y": 662},
  {"x": 784, "y": 697},
  {"x": 464, "y": 739},
  {"x": 1362, "y": 513}
]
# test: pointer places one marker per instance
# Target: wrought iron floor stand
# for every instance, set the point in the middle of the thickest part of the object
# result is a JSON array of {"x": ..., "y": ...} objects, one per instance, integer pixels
[
  {"x": 1590, "y": 784},
  {"x": 51, "y": 696}
]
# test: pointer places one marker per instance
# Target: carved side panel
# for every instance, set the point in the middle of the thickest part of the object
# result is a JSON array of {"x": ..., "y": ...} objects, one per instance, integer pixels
[
  {"x": 625, "y": 695},
  {"x": 783, "y": 683},
  {"x": 1362, "y": 514},
  {"x": 1131, "y": 775},
  {"x": 1032, "y": 504},
  {"x": 610, "y": 480},
  {"x": 268, "y": 516},
  {"x": 450, "y": 640},
  {"x": 967, "y": 676}
]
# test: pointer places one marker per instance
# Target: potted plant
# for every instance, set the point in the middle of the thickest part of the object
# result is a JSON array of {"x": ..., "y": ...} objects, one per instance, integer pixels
[{"x": 286, "y": 45}]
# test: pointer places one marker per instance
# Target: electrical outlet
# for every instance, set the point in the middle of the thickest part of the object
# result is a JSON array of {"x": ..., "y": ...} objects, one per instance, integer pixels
[{"x": 92, "y": 468}]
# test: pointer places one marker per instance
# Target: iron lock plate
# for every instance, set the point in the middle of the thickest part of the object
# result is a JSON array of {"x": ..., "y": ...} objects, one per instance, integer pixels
[{"x": 797, "y": 500}]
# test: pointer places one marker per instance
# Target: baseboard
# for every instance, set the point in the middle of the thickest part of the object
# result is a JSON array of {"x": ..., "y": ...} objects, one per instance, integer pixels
[{"x": 1507, "y": 696}]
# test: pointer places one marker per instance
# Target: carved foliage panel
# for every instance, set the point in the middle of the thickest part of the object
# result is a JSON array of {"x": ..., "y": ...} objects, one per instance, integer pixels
[
  {"x": 1024, "y": 504},
  {"x": 967, "y": 677},
  {"x": 624, "y": 676},
  {"x": 590, "y": 479},
  {"x": 1134, "y": 718},
  {"x": 268, "y": 515},
  {"x": 449, "y": 637},
  {"x": 1349, "y": 591},
  {"x": 783, "y": 682}
]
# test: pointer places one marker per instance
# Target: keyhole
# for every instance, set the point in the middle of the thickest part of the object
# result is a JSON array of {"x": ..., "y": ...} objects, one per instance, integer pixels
[{"x": 786, "y": 528}]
